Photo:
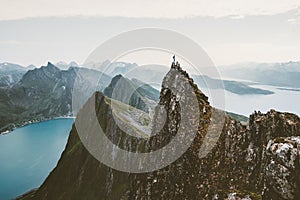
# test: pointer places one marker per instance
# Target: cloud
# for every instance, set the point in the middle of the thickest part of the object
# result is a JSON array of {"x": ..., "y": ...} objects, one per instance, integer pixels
[{"x": 15, "y": 9}]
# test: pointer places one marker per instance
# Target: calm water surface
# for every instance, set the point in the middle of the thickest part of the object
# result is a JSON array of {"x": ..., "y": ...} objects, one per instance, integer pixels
[{"x": 28, "y": 154}]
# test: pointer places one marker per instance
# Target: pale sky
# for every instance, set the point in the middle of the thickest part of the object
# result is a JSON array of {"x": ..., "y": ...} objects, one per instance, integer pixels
[
  {"x": 18, "y": 9},
  {"x": 230, "y": 31}
]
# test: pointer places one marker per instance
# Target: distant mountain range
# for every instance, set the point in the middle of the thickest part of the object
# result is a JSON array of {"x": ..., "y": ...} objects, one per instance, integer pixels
[
  {"x": 43, "y": 93},
  {"x": 29, "y": 93},
  {"x": 276, "y": 74},
  {"x": 231, "y": 86},
  {"x": 155, "y": 74},
  {"x": 13, "y": 73},
  {"x": 46, "y": 92}
]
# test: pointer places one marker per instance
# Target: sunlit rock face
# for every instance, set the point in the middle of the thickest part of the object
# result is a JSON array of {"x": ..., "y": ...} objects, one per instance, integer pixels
[{"x": 260, "y": 160}]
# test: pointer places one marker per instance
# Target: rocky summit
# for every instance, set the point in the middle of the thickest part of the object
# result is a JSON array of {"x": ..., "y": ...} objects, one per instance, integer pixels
[{"x": 260, "y": 160}]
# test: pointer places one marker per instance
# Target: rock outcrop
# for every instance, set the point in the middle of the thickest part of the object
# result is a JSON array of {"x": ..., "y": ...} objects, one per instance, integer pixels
[
  {"x": 281, "y": 172},
  {"x": 258, "y": 161}
]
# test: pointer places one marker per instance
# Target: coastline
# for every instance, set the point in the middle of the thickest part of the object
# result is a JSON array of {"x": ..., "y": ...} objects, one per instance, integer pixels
[
  {"x": 12, "y": 126},
  {"x": 28, "y": 194}
]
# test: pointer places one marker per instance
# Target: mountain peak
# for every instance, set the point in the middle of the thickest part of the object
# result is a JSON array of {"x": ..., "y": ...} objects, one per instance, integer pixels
[
  {"x": 175, "y": 68},
  {"x": 51, "y": 68},
  {"x": 49, "y": 64},
  {"x": 116, "y": 78},
  {"x": 124, "y": 90}
]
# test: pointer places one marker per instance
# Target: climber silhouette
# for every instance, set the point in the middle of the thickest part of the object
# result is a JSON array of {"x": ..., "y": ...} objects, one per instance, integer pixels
[{"x": 174, "y": 58}]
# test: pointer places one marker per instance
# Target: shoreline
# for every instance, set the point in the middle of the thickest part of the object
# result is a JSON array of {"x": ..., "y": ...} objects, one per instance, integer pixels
[
  {"x": 27, "y": 194},
  {"x": 13, "y": 126}
]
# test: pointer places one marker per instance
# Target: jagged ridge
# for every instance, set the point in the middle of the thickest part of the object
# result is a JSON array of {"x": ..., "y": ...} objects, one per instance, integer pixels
[{"x": 244, "y": 162}]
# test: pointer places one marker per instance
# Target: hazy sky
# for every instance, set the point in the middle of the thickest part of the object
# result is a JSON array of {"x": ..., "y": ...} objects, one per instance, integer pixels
[
  {"x": 230, "y": 31},
  {"x": 16, "y": 9}
]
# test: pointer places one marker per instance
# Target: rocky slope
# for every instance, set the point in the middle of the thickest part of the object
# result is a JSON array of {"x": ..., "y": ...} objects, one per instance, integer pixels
[
  {"x": 134, "y": 93},
  {"x": 258, "y": 161},
  {"x": 42, "y": 93}
]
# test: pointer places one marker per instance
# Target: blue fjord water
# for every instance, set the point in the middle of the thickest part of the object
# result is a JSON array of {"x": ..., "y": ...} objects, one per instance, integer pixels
[{"x": 28, "y": 154}]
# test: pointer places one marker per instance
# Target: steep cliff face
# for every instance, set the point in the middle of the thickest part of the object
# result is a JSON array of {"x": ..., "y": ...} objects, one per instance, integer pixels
[{"x": 253, "y": 162}]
